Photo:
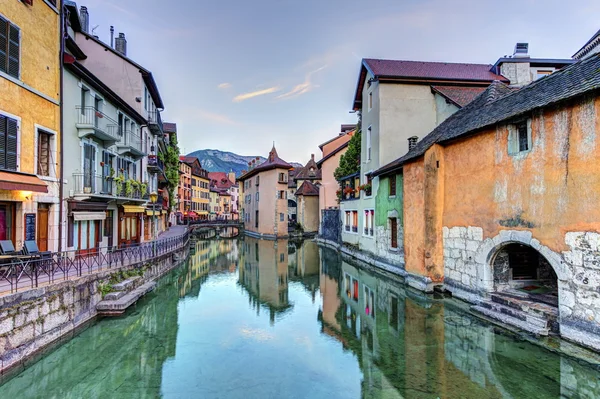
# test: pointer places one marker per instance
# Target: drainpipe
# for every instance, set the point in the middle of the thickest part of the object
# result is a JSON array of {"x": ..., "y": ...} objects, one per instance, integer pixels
[{"x": 60, "y": 133}]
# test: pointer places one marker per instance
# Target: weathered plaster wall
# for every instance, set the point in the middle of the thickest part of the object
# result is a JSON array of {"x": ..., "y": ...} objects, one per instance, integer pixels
[
  {"x": 387, "y": 207},
  {"x": 443, "y": 108},
  {"x": 269, "y": 206},
  {"x": 308, "y": 213},
  {"x": 414, "y": 221},
  {"x": 434, "y": 207},
  {"x": 329, "y": 186}
]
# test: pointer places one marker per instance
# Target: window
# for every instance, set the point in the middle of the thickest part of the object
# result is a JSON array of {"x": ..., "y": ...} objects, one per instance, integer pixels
[
  {"x": 348, "y": 218},
  {"x": 354, "y": 221},
  {"x": 9, "y": 129},
  {"x": 281, "y": 217},
  {"x": 281, "y": 194},
  {"x": 10, "y": 38},
  {"x": 522, "y": 134},
  {"x": 369, "y": 143},
  {"x": 541, "y": 74},
  {"x": 257, "y": 180},
  {"x": 89, "y": 167},
  {"x": 394, "y": 231},
  {"x": 519, "y": 137},
  {"x": 283, "y": 178},
  {"x": 370, "y": 100},
  {"x": 44, "y": 153},
  {"x": 368, "y": 222},
  {"x": 84, "y": 94},
  {"x": 281, "y": 259},
  {"x": 392, "y": 183}
]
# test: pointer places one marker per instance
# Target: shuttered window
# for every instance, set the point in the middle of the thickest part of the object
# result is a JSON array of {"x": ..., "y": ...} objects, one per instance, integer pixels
[
  {"x": 394, "y": 231},
  {"x": 392, "y": 179},
  {"x": 8, "y": 143},
  {"x": 9, "y": 48},
  {"x": 44, "y": 153}
]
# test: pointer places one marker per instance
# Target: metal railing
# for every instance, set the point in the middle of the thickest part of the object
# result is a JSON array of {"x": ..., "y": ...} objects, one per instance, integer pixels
[
  {"x": 155, "y": 122},
  {"x": 90, "y": 117},
  {"x": 130, "y": 139},
  {"x": 91, "y": 184},
  {"x": 31, "y": 271},
  {"x": 155, "y": 162}
]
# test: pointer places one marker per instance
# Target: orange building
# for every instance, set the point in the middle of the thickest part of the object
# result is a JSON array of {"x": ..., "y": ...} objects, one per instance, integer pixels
[
  {"x": 184, "y": 190},
  {"x": 500, "y": 204}
]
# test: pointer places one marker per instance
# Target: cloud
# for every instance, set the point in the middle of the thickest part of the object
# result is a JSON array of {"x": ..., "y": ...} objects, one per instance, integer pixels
[
  {"x": 224, "y": 85},
  {"x": 216, "y": 118},
  {"x": 247, "y": 96},
  {"x": 303, "y": 87}
]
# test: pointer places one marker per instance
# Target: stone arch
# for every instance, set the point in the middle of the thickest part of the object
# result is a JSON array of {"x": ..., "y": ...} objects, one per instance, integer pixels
[{"x": 490, "y": 248}]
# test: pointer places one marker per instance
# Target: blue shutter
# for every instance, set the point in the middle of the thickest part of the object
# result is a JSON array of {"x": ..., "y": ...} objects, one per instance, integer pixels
[
  {"x": 11, "y": 144},
  {"x": 3, "y": 121},
  {"x": 13, "y": 51},
  {"x": 3, "y": 44}
]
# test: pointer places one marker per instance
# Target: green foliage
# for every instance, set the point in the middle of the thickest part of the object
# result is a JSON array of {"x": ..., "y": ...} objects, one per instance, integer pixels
[
  {"x": 350, "y": 161},
  {"x": 172, "y": 169},
  {"x": 105, "y": 289},
  {"x": 144, "y": 188},
  {"x": 128, "y": 188}
]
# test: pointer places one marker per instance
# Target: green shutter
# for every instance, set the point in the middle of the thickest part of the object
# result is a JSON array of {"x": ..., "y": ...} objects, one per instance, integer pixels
[
  {"x": 11, "y": 144},
  {"x": 3, "y": 44},
  {"x": 13, "y": 51}
]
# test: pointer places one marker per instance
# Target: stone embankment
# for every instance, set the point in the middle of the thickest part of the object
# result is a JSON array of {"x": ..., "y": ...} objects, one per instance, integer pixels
[{"x": 34, "y": 321}]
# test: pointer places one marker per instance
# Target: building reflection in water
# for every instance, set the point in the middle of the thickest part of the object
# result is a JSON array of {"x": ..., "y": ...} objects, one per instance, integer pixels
[
  {"x": 263, "y": 273},
  {"x": 413, "y": 346}
]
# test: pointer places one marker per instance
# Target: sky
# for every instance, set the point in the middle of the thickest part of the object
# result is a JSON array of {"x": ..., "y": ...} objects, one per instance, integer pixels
[{"x": 238, "y": 75}]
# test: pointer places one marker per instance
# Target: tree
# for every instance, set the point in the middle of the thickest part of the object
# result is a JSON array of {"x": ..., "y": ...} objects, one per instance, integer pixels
[
  {"x": 172, "y": 169},
  {"x": 350, "y": 161}
]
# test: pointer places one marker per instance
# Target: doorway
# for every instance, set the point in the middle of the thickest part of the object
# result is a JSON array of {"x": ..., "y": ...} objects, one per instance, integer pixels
[
  {"x": 42, "y": 230},
  {"x": 129, "y": 229}
]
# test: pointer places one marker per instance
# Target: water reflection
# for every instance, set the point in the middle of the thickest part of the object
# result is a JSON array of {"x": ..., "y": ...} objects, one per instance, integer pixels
[{"x": 252, "y": 318}]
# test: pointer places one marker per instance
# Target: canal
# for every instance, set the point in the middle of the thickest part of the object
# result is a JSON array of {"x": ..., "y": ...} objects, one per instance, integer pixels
[{"x": 248, "y": 318}]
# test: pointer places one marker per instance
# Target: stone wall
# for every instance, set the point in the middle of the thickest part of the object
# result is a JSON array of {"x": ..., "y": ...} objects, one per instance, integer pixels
[
  {"x": 331, "y": 225},
  {"x": 32, "y": 321},
  {"x": 460, "y": 264}
]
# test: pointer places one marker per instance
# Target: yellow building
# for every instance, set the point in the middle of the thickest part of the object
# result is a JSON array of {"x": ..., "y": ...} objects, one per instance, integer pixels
[
  {"x": 213, "y": 204},
  {"x": 200, "y": 184},
  {"x": 29, "y": 123}
]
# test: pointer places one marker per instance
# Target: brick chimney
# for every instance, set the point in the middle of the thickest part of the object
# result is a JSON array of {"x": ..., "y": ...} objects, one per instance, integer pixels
[
  {"x": 412, "y": 142},
  {"x": 84, "y": 16},
  {"x": 121, "y": 44},
  {"x": 231, "y": 176}
]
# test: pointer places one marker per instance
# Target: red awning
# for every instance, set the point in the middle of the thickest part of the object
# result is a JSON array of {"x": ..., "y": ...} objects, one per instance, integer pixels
[
  {"x": 18, "y": 181},
  {"x": 193, "y": 214}
]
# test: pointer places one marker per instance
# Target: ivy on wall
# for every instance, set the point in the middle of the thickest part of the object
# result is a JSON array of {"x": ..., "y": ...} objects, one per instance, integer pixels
[
  {"x": 172, "y": 169},
  {"x": 350, "y": 161}
]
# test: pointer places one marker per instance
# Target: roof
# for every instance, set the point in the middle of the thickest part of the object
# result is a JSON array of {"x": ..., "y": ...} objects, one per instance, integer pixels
[
  {"x": 273, "y": 162},
  {"x": 307, "y": 189},
  {"x": 423, "y": 71},
  {"x": 332, "y": 153},
  {"x": 535, "y": 62},
  {"x": 344, "y": 131},
  {"x": 220, "y": 180},
  {"x": 146, "y": 74},
  {"x": 588, "y": 46},
  {"x": 458, "y": 95},
  {"x": 499, "y": 103},
  {"x": 306, "y": 173},
  {"x": 79, "y": 70},
  {"x": 169, "y": 127},
  {"x": 196, "y": 166}
]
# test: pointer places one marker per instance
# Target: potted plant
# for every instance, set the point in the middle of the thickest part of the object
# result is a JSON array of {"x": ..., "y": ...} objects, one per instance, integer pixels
[
  {"x": 102, "y": 164},
  {"x": 119, "y": 184},
  {"x": 99, "y": 114},
  {"x": 144, "y": 188},
  {"x": 128, "y": 187},
  {"x": 348, "y": 190}
]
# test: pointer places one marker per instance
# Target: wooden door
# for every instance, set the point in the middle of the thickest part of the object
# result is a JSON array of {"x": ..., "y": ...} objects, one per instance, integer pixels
[{"x": 42, "y": 231}]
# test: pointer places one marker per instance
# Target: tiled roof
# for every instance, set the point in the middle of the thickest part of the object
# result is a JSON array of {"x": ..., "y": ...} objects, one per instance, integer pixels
[
  {"x": 220, "y": 180},
  {"x": 588, "y": 46},
  {"x": 459, "y": 95},
  {"x": 306, "y": 174},
  {"x": 308, "y": 189},
  {"x": 273, "y": 162},
  {"x": 169, "y": 127},
  {"x": 432, "y": 70},
  {"x": 499, "y": 103}
]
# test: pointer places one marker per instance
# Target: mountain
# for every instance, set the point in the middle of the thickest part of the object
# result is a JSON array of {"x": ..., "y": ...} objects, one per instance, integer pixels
[{"x": 223, "y": 161}]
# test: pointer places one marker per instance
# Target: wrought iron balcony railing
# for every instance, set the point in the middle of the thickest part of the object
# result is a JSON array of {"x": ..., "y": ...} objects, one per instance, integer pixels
[
  {"x": 91, "y": 121},
  {"x": 155, "y": 123},
  {"x": 99, "y": 185}
]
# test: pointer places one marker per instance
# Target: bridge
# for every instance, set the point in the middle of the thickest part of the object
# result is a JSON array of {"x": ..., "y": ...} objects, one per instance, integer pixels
[{"x": 217, "y": 228}]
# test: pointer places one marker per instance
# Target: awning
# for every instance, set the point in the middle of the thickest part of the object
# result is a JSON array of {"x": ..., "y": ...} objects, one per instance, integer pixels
[
  {"x": 20, "y": 181},
  {"x": 151, "y": 213},
  {"x": 134, "y": 209},
  {"x": 193, "y": 214},
  {"x": 89, "y": 216},
  {"x": 164, "y": 212}
]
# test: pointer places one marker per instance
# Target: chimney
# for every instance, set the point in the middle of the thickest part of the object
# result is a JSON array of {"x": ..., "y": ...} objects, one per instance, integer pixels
[
  {"x": 231, "y": 176},
  {"x": 84, "y": 16},
  {"x": 521, "y": 50},
  {"x": 121, "y": 44},
  {"x": 112, "y": 36},
  {"x": 412, "y": 142},
  {"x": 312, "y": 157}
]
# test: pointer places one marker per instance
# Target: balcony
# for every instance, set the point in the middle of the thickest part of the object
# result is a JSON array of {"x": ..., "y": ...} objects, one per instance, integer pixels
[
  {"x": 155, "y": 123},
  {"x": 155, "y": 165},
  {"x": 90, "y": 185},
  {"x": 130, "y": 144},
  {"x": 91, "y": 122}
]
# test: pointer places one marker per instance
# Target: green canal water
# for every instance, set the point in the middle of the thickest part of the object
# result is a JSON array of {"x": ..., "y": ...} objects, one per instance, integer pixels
[{"x": 262, "y": 319}]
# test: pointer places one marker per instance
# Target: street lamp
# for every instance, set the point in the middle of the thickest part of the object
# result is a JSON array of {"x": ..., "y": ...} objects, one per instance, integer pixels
[{"x": 154, "y": 198}]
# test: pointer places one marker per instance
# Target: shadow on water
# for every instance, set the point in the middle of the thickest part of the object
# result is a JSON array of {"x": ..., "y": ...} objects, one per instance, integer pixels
[{"x": 255, "y": 318}]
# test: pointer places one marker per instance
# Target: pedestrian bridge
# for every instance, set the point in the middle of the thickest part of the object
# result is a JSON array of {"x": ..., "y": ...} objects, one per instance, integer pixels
[{"x": 216, "y": 228}]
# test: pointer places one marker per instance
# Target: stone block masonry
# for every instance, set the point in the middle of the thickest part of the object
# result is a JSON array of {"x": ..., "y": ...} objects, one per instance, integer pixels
[
  {"x": 474, "y": 267},
  {"x": 33, "y": 321}
]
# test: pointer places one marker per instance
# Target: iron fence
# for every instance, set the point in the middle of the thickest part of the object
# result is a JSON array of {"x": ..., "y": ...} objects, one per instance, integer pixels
[{"x": 21, "y": 272}]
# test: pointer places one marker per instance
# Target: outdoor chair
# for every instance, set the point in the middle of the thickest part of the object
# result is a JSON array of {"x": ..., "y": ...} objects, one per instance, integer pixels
[
  {"x": 8, "y": 248},
  {"x": 31, "y": 248}
]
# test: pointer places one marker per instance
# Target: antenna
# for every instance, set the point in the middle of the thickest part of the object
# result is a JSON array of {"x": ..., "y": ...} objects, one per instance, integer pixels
[{"x": 94, "y": 30}]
